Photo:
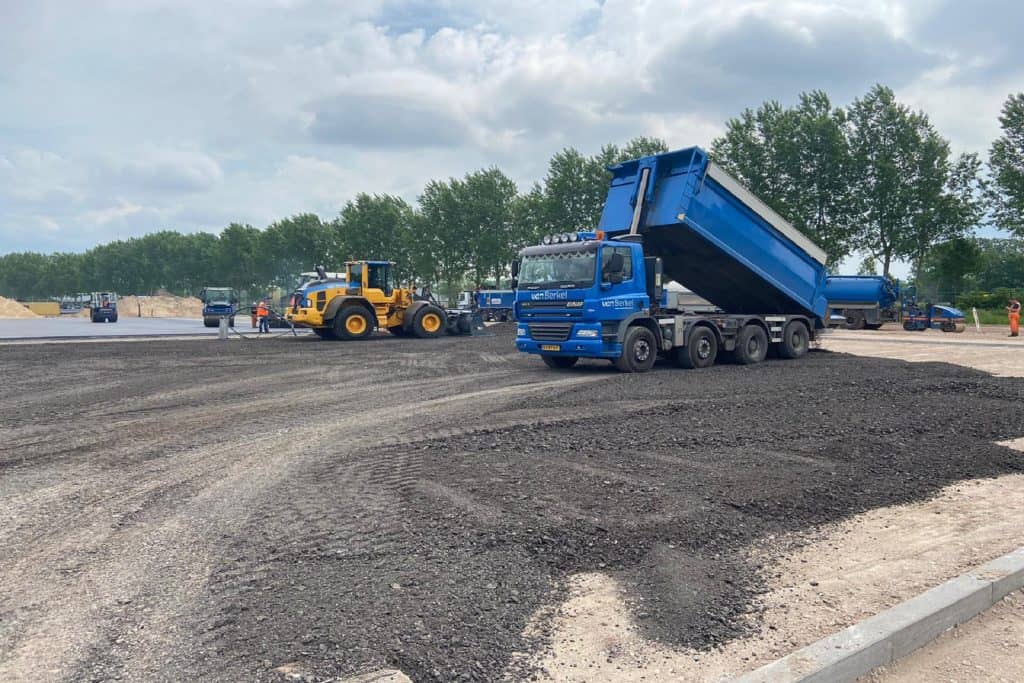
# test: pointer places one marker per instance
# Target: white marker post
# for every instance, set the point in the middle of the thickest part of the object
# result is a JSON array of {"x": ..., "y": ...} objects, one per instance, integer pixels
[
  {"x": 977, "y": 323},
  {"x": 222, "y": 330}
]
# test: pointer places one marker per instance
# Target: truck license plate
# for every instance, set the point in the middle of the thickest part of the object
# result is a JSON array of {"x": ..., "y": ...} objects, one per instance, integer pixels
[{"x": 550, "y": 347}]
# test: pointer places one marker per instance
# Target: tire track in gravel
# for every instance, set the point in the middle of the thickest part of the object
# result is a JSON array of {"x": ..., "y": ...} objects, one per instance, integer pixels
[{"x": 56, "y": 618}]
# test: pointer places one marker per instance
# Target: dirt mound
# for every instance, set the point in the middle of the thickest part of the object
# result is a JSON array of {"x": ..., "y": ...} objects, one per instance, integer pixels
[
  {"x": 9, "y": 308},
  {"x": 161, "y": 306}
]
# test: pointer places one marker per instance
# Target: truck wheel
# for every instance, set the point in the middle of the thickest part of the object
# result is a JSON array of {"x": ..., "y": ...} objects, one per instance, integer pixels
[
  {"x": 231, "y": 322},
  {"x": 209, "y": 322},
  {"x": 795, "y": 340},
  {"x": 872, "y": 326},
  {"x": 114, "y": 319},
  {"x": 700, "y": 351},
  {"x": 751, "y": 345},
  {"x": 639, "y": 351},
  {"x": 352, "y": 323},
  {"x": 559, "y": 362},
  {"x": 855, "y": 321},
  {"x": 430, "y": 321}
]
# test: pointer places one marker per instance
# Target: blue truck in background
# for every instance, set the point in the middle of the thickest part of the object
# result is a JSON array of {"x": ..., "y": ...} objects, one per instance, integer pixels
[
  {"x": 863, "y": 301},
  {"x": 678, "y": 216}
]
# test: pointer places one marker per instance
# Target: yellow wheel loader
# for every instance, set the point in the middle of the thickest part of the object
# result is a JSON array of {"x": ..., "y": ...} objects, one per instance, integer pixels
[{"x": 367, "y": 299}]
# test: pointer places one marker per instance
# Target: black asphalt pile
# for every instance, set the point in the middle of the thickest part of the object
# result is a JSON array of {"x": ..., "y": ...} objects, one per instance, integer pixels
[{"x": 432, "y": 554}]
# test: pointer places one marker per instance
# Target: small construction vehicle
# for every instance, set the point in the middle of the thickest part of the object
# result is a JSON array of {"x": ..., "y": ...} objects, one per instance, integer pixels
[
  {"x": 103, "y": 307},
  {"x": 218, "y": 302},
  {"x": 368, "y": 299}
]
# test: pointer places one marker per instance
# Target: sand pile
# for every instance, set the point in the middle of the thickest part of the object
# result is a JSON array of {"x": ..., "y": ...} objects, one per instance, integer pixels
[
  {"x": 160, "y": 306},
  {"x": 9, "y": 308}
]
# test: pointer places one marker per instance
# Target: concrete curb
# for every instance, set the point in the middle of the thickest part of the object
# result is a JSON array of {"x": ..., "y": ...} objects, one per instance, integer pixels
[{"x": 895, "y": 633}]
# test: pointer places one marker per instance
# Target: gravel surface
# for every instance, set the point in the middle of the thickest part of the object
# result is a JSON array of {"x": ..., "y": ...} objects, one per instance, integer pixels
[{"x": 216, "y": 511}]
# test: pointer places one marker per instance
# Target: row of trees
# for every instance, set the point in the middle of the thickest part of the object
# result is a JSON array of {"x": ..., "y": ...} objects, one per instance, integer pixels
[{"x": 874, "y": 177}]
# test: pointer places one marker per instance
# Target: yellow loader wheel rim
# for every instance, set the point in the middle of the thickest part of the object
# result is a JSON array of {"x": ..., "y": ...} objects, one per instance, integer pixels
[
  {"x": 355, "y": 324},
  {"x": 431, "y": 322}
]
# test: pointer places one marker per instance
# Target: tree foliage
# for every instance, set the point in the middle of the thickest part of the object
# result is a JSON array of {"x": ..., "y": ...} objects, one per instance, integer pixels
[
  {"x": 797, "y": 160},
  {"x": 1006, "y": 166}
]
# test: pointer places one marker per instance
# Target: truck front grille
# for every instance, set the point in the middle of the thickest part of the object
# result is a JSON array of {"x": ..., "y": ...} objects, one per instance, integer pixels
[{"x": 556, "y": 332}]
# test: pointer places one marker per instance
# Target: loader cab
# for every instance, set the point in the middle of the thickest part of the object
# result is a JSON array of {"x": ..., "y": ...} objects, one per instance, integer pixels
[{"x": 375, "y": 279}]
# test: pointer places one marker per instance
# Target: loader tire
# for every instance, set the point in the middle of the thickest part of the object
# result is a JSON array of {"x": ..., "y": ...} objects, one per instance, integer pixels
[
  {"x": 352, "y": 323},
  {"x": 464, "y": 325},
  {"x": 639, "y": 351},
  {"x": 751, "y": 345},
  {"x": 795, "y": 340},
  {"x": 430, "y": 321},
  {"x": 700, "y": 351}
]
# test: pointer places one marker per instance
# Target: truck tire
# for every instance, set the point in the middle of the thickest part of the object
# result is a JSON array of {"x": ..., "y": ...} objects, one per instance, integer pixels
[
  {"x": 559, "y": 362},
  {"x": 209, "y": 322},
  {"x": 873, "y": 326},
  {"x": 855, "y": 321},
  {"x": 639, "y": 350},
  {"x": 700, "y": 350},
  {"x": 231, "y": 322},
  {"x": 795, "y": 340},
  {"x": 114, "y": 319},
  {"x": 352, "y": 323},
  {"x": 430, "y": 321},
  {"x": 751, "y": 345}
]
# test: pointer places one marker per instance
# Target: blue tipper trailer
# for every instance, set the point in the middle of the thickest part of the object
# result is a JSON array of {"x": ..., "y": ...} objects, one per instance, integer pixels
[
  {"x": 863, "y": 301},
  {"x": 496, "y": 304},
  {"x": 599, "y": 294}
]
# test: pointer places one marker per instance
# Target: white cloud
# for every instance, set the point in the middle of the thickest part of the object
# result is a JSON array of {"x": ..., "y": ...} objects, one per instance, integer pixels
[{"x": 130, "y": 116}]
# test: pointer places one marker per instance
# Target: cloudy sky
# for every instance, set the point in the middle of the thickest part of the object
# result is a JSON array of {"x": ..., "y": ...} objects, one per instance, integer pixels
[{"x": 119, "y": 117}]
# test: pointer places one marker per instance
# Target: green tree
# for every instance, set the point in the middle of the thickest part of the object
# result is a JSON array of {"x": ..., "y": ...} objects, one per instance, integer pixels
[
  {"x": 868, "y": 266},
  {"x": 1006, "y": 167},
  {"x": 377, "y": 227},
  {"x": 797, "y": 160},
  {"x": 901, "y": 182},
  {"x": 947, "y": 265}
]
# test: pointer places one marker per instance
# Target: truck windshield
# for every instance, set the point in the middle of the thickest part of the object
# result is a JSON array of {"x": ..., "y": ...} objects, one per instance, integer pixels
[
  {"x": 566, "y": 269},
  {"x": 218, "y": 296}
]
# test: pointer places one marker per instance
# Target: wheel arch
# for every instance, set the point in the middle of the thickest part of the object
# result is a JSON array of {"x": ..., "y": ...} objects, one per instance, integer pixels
[{"x": 339, "y": 302}]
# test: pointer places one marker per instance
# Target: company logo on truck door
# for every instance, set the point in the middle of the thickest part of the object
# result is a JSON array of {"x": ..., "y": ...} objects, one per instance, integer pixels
[
  {"x": 617, "y": 303},
  {"x": 553, "y": 295}
]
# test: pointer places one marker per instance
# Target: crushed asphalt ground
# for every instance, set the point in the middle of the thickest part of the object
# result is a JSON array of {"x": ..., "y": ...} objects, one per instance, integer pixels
[{"x": 218, "y": 510}]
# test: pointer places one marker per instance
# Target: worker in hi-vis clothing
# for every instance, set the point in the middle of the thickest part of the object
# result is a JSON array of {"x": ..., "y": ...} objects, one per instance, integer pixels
[
  {"x": 1014, "y": 311},
  {"x": 263, "y": 313}
]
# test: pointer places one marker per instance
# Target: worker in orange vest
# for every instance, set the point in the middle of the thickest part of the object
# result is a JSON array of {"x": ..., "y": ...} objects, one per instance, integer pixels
[
  {"x": 263, "y": 313},
  {"x": 1014, "y": 311}
]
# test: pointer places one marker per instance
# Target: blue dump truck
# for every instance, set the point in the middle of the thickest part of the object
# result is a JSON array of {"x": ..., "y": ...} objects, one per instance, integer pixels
[
  {"x": 678, "y": 216},
  {"x": 863, "y": 301}
]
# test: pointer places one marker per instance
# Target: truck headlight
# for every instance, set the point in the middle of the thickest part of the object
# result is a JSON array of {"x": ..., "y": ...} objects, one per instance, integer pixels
[
  {"x": 521, "y": 331},
  {"x": 590, "y": 334}
]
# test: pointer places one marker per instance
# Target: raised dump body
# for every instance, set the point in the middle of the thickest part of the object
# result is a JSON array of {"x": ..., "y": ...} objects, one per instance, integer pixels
[{"x": 714, "y": 237}]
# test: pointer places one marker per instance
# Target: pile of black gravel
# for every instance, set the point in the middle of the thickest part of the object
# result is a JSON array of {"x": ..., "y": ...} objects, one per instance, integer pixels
[{"x": 432, "y": 557}]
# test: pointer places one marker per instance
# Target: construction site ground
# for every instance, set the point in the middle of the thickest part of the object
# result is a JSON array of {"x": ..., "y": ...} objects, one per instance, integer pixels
[
  {"x": 76, "y": 327},
  {"x": 285, "y": 507}
]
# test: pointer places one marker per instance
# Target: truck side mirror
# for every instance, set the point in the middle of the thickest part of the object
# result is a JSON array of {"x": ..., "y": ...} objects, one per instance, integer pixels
[
  {"x": 515, "y": 283},
  {"x": 515, "y": 272}
]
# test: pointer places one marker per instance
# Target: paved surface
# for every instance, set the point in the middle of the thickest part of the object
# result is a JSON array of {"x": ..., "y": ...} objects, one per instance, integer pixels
[
  {"x": 191, "y": 509},
  {"x": 74, "y": 326}
]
